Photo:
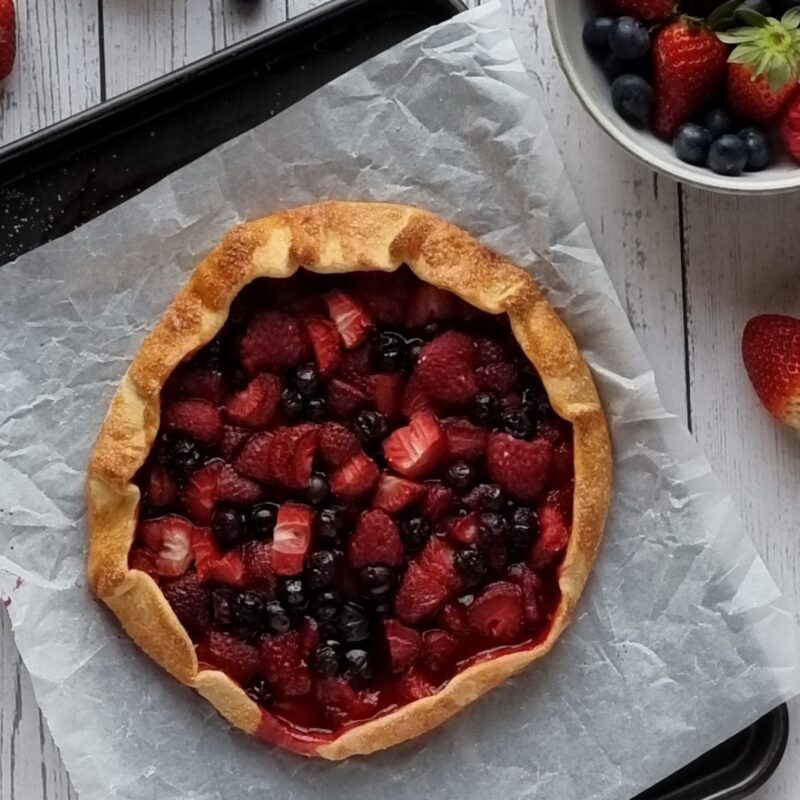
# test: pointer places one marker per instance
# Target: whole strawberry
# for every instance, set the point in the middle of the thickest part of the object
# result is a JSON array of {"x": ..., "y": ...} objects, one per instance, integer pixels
[
  {"x": 764, "y": 66},
  {"x": 645, "y": 10},
  {"x": 8, "y": 37},
  {"x": 790, "y": 129},
  {"x": 689, "y": 65},
  {"x": 771, "y": 355}
]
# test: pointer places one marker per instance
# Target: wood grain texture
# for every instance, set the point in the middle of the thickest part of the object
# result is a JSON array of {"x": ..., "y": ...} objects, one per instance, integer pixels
[
  {"x": 57, "y": 72},
  {"x": 741, "y": 261}
]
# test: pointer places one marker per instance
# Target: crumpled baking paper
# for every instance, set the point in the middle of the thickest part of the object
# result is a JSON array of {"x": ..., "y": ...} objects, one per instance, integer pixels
[{"x": 680, "y": 639}]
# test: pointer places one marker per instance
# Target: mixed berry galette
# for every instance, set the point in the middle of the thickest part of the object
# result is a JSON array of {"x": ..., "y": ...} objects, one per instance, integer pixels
[{"x": 356, "y": 477}]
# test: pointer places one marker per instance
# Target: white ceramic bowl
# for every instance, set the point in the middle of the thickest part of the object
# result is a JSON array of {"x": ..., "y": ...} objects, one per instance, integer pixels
[{"x": 566, "y": 19}]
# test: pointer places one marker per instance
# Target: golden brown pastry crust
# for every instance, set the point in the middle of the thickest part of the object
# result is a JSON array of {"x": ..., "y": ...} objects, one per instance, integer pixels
[{"x": 335, "y": 237}]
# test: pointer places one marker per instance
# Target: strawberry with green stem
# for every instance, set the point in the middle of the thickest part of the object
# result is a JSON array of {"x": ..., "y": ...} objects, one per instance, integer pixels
[{"x": 764, "y": 67}]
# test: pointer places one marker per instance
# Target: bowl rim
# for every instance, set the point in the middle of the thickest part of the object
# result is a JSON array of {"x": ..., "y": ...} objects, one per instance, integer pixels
[{"x": 688, "y": 174}]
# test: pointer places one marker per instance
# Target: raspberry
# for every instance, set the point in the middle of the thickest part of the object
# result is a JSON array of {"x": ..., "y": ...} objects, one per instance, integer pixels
[
  {"x": 273, "y": 339},
  {"x": 446, "y": 368}
]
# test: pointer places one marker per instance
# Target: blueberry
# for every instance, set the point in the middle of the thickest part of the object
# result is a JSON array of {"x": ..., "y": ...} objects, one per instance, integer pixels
[
  {"x": 278, "y": 619},
  {"x": 306, "y": 380},
  {"x": 332, "y": 526},
  {"x": 759, "y": 150},
  {"x": 316, "y": 409},
  {"x": 471, "y": 565},
  {"x": 321, "y": 569},
  {"x": 370, "y": 426},
  {"x": 415, "y": 532},
  {"x": 523, "y": 527},
  {"x": 388, "y": 352},
  {"x": 413, "y": 349},
  {"x": 728, "y": 155},
  {"x": 613, "y": 66},
  {"x": 691, "y": 143},
  {"x": 223, "y": 601},
  {"x": 459, "y": 476},
  {"x": 293, "y": 592},
  {"x": 291, "y": 404},
  {"x": 517, "y": 423},
  {"x": 261, "y": 520},
  {"x": 484, "y": 497},
  {"x": 248, "y": 609},
  {"x": 632, "y": 97},
  {"x": 181, "y": 456},
  {"x": 327, "y": 658},
  {"x": 318, "y": 489},
  {"x": 719, "y": 122},
  {"x": 376, "y": 582},
  {"x": 484, "y": 408},
  {"x": 628, "y": 38},
  {"x": 493, "y": 526},
  {"x": 595, "y": 32},
  {"x": 357, "y": 666},
  {"x": 228, "y": 526},
  {"x": 353, "y": 624},
  {"x": 261, "y": 692},
  {"x": 325, "y": 605}
]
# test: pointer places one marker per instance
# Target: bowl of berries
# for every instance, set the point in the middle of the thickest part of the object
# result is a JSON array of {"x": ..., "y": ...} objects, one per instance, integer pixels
[{"x": 704, "y": 92}]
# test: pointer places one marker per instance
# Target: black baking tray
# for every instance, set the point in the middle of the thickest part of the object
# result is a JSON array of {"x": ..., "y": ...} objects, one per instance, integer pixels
[{"x": 71, "y": 172}]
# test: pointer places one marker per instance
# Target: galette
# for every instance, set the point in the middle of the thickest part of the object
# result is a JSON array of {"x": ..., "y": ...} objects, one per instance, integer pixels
[{"x": 355, "y": 477}]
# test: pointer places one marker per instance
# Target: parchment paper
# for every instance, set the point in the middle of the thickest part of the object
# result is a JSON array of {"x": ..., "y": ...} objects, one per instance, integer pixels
[{"x": 680, "y": 639}]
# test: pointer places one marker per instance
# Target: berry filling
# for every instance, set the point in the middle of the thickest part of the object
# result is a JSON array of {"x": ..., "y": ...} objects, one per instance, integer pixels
[{"x": 358, "y": 490}]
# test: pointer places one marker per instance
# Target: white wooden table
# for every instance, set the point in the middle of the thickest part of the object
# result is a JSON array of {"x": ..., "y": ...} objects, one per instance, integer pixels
[{"x": 691, "y": 269}]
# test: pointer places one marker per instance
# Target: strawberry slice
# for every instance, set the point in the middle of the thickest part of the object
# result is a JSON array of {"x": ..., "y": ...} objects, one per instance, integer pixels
[
  {"x": 420, "y": 596},
  {"x": 256, "y": 404},
  {"x": 233, "y": 488},
  {"x": 355, "y": 478},
  {"x": 160, "y": 488},
  {"x": 498, "y": 612},
  {"x": 417, "y": 448},
  {"x": 437, "y": 559},
  {"x": 403, "y": 644},
  {"x": 453, "y": 618},
  {"x": 465, "y": 441},
  {"x": 446, "y": 368},
  {"x": 438, "y": 501},
  {"x": 144, "y": 560},
  {"x": 520, "y": 468},
  {"x": 466, "y": 529},
  {"x": 341, "y": 703},
  {"x": 416, "y": 400},
  {"x": 387, "y": 394},
  {"x": 351, "y": 319},
  {"x": 284, "y": 665},
  {"x": 196, "y": 418},
  {"x": 394, "y": 494},
  {"x": 532, "y": 592},
  {"x": 232, "y": 439},
  {"x": 553, "y": 538},
  {"x": 375, "y": 541},
  {"x": 344, "y": 397},
  {"x": 430, "y": 304},
  {"x": 191, "y": 603},
  {"x": 291, "y": 539},
  {"x": 337, "y": 444},
  {"x": 254, "y": 457},
  {"x": 273, "y": 339},
  {"x": 237, "y": 659},
  {"x": 214, "y": 483},
  {"x": 439, "y": 650},
  {"x": 292, "y": 455},
  {"x": 414, "y": 685},
  {"x": 212, "y": 565},
  {"x": 170, "y": 538},
  {"x": 325, "y": 343}
]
